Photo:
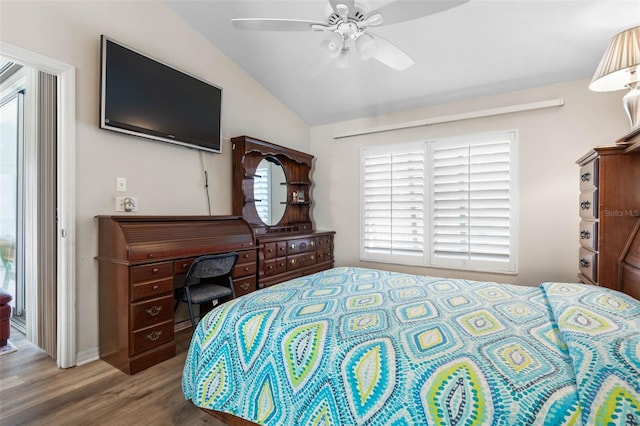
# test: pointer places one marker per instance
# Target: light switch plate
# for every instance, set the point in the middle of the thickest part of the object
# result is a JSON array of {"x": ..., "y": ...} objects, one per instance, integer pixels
[{"x": 121, "y": 184}]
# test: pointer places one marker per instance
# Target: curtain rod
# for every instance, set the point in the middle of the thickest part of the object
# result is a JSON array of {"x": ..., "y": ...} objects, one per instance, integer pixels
[{"x": 454, "y": 117}]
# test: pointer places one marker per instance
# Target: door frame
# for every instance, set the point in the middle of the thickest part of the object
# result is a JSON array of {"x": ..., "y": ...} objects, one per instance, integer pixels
[{"x": 66, "y": 203}]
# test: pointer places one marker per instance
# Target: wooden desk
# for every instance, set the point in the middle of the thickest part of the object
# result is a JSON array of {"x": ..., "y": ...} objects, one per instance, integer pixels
[{"x": 138, "y": 258}]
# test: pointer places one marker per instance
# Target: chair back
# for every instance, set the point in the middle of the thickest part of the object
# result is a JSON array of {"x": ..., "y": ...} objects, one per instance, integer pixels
[{"x": 210, "y": 266}]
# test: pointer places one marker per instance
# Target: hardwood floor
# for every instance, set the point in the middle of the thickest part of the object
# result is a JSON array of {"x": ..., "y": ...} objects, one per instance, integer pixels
[{"x": 34, "y": 391}]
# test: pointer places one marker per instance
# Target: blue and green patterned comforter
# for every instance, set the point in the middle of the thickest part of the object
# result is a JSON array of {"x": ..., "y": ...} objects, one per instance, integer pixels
[{"x": 359, "y": 346}]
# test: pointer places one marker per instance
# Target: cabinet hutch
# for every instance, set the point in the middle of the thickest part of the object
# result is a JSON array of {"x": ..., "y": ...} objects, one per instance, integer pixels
[{"x": 272, "y": 192}]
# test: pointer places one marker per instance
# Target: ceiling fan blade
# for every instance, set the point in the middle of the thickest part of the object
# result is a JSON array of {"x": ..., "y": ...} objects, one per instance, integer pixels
[
  {"x": 401, "y": 11},
  {"x": 390, "y": 55},
  {"x": 336, "y": 6},
  {"x": 268, "y": 24}
]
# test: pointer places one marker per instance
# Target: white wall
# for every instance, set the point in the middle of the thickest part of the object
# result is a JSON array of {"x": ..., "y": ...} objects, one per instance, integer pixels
[
  {"x": 167, "y": 179},
  {"x": 550, "y": 140}
]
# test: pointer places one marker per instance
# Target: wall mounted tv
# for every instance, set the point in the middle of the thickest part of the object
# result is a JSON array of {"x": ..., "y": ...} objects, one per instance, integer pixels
[{"x": 145, "y": 97}]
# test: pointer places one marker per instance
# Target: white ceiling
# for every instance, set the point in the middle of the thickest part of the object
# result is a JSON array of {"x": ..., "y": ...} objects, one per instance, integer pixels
[{"x": 480, "y": 48}]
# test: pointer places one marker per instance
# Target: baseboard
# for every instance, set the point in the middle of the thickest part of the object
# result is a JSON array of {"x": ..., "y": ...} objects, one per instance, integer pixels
[{"x": 88, "y": 356}]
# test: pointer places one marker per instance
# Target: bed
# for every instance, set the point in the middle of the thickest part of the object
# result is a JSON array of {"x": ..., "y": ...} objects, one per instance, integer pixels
[{"x": 353, "y": 346}]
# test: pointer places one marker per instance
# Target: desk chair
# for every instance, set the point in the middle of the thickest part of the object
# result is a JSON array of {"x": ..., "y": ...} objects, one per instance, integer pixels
[{"x": 208, "y": 279}]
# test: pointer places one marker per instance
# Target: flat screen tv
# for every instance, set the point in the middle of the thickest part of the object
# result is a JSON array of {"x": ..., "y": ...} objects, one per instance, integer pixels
[{"x": 145, "y": 97}]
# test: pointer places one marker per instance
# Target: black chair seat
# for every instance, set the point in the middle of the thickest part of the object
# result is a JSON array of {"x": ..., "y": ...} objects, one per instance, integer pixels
[
  {"x": 209, "y": 279},
  {"x": 205, "y": 293}
]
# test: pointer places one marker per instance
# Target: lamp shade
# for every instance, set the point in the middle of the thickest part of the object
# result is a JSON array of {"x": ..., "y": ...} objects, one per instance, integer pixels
[{"x": 617, "y": 68}]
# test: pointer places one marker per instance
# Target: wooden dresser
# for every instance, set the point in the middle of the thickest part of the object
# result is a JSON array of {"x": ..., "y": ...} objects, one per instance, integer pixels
[
  {"x": 288, "y": 245},
  {"x": 141, "y": 259},
  {"x": 290, "y": 255},
  {"x": 609, "y": 206}
]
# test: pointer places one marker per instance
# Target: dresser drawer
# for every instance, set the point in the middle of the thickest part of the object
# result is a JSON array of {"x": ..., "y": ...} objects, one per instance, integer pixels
[
  {"x": 323, "y": 255},
  {"x": 247, "y": 256},
  {"x": 244, "y": 270},
  {"x": 275, "y": 266},
  {"x": 269, "y": 267},
  {"x": 244, "y": 286},
  {"x": 182, "y": 266},
  {"x": 300, "y": 261},
  {"x": 150, "y": 312},
  {"x": 301, "y": 246},
  {"x": 588, "y": 264},
  {"x": 151, "y": 337},
  {"x": 589, "y": 234},
  {"x": 151, "y": 289},
  {"x": 324, "y": 242},
  {"x": 589, "y": 204},
  {"x": 589, "y": 175},
  {"x": 153, "y": 271},
  {"x": 269, "y": 250}
]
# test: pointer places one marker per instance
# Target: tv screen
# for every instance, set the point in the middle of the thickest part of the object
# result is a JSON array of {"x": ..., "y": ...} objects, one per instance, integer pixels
[{"x": 144, "y": 97}]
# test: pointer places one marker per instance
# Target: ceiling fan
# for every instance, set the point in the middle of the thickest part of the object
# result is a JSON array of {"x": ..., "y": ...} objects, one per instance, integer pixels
[{"x": 348, "y": 23}]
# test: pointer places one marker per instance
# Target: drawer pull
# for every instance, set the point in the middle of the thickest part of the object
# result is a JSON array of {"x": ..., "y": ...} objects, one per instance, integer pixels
[
  {"x": 155, "y": 335},
  {"x": 293, "y": 246},
  {"x": 312, "y": 243},
  {"x": 270, "y": 267},
  {"x": 586, "y": 177},
  {"x": 312, "y": 257},
  {"x": 245, "y": 286},
  {"x": 184, "y": 265},
  {"x": 246, "y": 256},
  {"x": 155, "y": 287},
  {"x": 154, "y": 310},
  {"x": 154, "y": 270},
  {"x": 150, "y": 255},
  {"x": 585, "y": 205},
  {"x": 246, "y": 269},
  {"x": 293, "y": 261},
  {"x": 585, "y": 235},
  {"x": 269, "y": 250},
  {"x": 584, "y": 263},
  {"x": 282, "y": 264},
  {"x": 282, "y": 248}
]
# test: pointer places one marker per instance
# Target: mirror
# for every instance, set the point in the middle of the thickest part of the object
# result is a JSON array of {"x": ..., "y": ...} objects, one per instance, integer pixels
[{"x": 270, "y": 191}]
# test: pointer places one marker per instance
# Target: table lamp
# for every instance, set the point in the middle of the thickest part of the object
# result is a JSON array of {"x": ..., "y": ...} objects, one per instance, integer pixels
[{"x": 619, "y": 68}]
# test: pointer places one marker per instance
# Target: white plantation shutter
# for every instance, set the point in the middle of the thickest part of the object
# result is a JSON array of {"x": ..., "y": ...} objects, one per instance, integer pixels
[
  {"x": 461, "y": 215},
  {"x": 393, "y": 203},
  {"x": 471, "y": 192},
  {"x": 261, "y": 192}
]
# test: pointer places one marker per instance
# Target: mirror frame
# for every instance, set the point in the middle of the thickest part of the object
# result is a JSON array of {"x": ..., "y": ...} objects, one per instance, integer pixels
[{"x": 247, "y": 154}]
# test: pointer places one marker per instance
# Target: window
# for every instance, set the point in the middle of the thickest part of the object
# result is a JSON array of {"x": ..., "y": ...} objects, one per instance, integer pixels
[
  {"x": 447, "y": 203},
  {"x": 261, "y": 191}
]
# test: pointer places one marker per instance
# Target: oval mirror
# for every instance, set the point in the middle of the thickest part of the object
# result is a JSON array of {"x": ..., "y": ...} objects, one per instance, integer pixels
[{"x": 270, "y": 191}]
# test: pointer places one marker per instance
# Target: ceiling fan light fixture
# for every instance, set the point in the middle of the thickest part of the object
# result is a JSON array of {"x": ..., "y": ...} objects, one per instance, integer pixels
[
  {"x": 366, "y": 46},
  {"x": 333, "y": 45}
]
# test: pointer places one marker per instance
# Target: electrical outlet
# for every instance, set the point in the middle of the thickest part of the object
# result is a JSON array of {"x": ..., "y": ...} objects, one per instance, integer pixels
[{"x": 126, "y": 204}]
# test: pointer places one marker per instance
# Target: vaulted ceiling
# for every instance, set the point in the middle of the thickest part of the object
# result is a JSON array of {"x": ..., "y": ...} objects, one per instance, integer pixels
[{"x": 479, "y": 48}]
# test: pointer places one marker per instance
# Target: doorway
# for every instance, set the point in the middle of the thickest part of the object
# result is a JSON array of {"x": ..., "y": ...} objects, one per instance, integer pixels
[{"x": 56, "y": 256}]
